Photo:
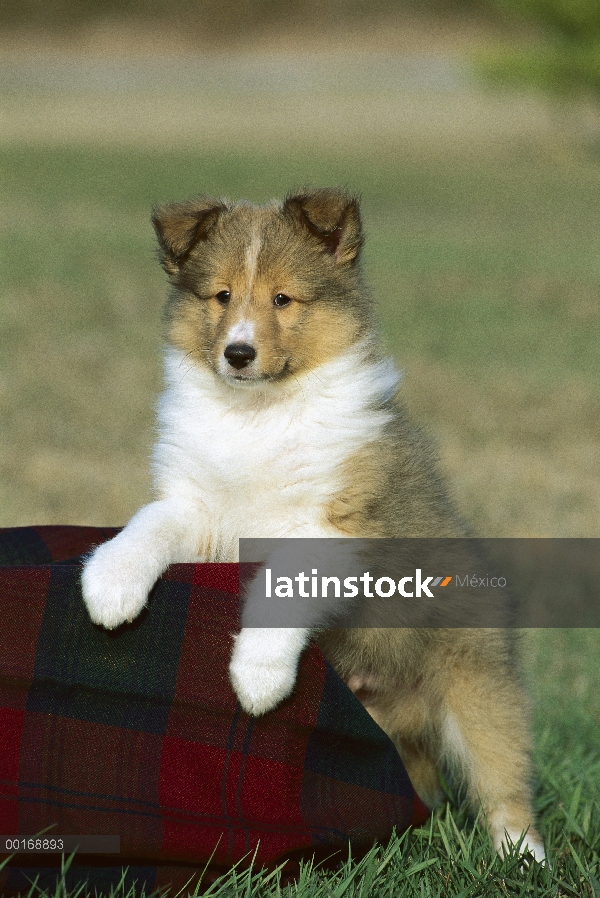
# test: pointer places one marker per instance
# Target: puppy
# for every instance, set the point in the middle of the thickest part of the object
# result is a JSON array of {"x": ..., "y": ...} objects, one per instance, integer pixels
[{"x": 279, "y": 419}]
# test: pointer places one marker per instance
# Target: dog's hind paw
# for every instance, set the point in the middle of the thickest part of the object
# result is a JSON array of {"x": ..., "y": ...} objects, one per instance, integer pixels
[
  {"x": 114, "y": 586},
  {"x": 528, "y": 843}
]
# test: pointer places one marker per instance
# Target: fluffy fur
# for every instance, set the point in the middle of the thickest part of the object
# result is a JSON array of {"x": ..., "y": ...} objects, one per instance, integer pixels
[{"x": 280, "y": 419}]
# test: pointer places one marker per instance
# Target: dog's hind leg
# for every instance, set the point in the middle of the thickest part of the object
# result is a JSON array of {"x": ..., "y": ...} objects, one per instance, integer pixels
[{"x": 485, "y": 737}]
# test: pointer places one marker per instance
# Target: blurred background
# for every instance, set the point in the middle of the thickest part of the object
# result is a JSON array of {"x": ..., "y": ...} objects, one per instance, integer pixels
[{"x": 472, "y": 132}]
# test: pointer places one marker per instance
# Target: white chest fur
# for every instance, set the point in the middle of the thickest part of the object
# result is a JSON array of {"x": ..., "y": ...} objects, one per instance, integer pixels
[{"x": 266, "y": 460}]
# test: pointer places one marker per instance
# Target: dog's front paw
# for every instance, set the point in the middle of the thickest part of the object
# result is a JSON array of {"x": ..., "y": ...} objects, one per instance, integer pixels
[
  {"x": 114, "y": 586},
  {"x": 260, "y": 687},
  {"x": 262, "y": 670}
]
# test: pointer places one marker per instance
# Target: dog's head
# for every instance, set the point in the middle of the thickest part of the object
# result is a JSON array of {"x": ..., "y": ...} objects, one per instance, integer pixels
[{"x": 262, "y": 293}]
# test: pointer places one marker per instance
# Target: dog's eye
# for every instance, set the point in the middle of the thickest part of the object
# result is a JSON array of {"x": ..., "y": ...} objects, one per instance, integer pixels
[
  {"x": 223, "y": 296},
  {"x": 282, "y": 300}
]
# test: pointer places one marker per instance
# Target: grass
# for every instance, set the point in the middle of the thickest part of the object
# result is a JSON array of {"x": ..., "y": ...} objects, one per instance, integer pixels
[
  {"x": 486, "y": 270},
  {"x": 414, "y": 866}
]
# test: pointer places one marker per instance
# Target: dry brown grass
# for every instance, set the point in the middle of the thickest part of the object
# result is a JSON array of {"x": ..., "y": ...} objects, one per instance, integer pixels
[
  {"x": 77, "y": 418},
  {"x": 415, "y": 122},
  {"x": 522, "y": 459}
]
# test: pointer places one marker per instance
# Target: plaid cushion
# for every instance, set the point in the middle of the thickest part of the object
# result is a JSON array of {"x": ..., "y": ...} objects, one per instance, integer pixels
[{"x": 137, "y": 732}]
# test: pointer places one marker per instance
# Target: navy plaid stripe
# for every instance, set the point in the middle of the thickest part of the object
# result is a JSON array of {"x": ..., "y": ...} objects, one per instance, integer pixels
[
  {"x": 22, "y": 545},
  {"x": 337, "y": 744},
  {"x": 89, "y": 673}
]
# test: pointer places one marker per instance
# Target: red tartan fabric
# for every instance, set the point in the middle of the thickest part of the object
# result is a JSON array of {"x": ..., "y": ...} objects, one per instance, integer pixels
[{"x": 138, "y": 733}]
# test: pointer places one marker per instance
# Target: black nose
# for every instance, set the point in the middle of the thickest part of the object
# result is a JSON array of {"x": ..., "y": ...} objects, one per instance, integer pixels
[{"x": 239, "y": 354}]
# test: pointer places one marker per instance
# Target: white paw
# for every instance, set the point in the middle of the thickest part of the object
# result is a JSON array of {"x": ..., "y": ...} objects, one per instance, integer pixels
[
  {"x": 263, "y": 668},
  {"x": 261, "y": 687},
  {"x": 114, "y": 584},
  {"x": 531, "y": 844},
  {"x": 536, "y": 848}
]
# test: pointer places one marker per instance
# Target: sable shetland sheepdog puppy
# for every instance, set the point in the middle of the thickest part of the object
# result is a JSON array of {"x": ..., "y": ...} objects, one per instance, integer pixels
[{"x": 280, "y": 419}]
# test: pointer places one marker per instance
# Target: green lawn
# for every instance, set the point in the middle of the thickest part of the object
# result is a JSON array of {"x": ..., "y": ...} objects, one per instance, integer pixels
[{"x": 487, "y": 277}]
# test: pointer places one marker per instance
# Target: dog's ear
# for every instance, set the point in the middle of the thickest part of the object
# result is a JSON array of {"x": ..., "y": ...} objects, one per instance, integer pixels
[
  {"x": 180, "y": 226},
  {"x": 331, "y": 215}
]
